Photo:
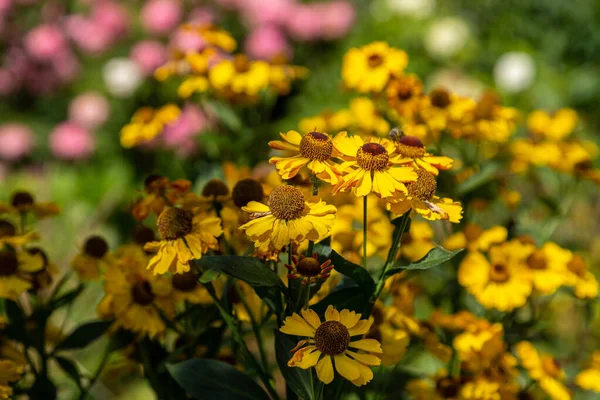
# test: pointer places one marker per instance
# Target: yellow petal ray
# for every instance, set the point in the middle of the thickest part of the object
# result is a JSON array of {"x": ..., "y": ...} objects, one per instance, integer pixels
[
  {"x": 370, "y": 345},
  {"x": 325, "y": 370},
  {"x": 347, "y": 367},
  {"x": 331, "y": 314}
]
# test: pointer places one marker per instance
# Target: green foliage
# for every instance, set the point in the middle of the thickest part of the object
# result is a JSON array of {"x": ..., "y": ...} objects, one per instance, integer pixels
[
  {"x": 436, "y": 256},
  {"x": 83, "y": 335}
]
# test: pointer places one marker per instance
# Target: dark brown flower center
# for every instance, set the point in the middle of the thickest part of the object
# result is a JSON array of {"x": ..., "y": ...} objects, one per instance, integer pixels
[
  {"x": 214, "y": 188},
  {"x": 332, "y": 338},
  {"x": 499, "y": 273},
  {"x": 316, "y": 146},
  {"x": 155, "y": 183},
  {"x": 185, "y": 282},
  {"x": 375, "y": 60},
  {"x": 143, "y": 235},
  {"x": 551, "y": 366},
  {"x": 96, "y": 247},
  {"x": 174, "y": 223},
  {"x": 577, "y": 265},
  {"x": 537, "y": 260},
  {"x": 472, "y": 232},
  {"x": 440, "y": 98},
  {"x": 447, "y": 388},
  {"x": 308, "y": 266},
  {"x": 9, "y": 263},
  {"x": 411, "y": 146},
  {"x": 7, "y": 229},
  {"x": 141, "y": 293},
  {"x": 286, "y": 202},
  {"x": 372, "y": 157},
  {"x": 241, "y": 64},
  {"x": 22, "y": 200},
  {"x": 247, "y": 190},
  {"x": 424, "y": 187}
]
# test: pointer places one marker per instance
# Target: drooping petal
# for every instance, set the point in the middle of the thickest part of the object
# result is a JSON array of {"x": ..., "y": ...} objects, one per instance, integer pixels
[
  {"x": 347, "y": 367},
  {"x": 296, "y": 325},
  {"x": 325, "y": 370}
]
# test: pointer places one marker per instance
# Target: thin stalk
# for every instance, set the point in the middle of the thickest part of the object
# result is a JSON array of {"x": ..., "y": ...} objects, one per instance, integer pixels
[
  {"x": 396, "y": 242},
  {"x": 307, "y": 295},
  {"x": 93, "y": 380},
  {"x": 315, "y": 192},
  {"x": 255, "y": 328},
  {"x": 365, "y": 231}
]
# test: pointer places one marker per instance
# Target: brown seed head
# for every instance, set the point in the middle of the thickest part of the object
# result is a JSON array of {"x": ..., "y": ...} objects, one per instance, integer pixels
[
  {"x": 372, "y": 157},
  {"x": 332, "y": 338},
  {"x": 316, "y": 146},
  {"x": 286, "y": 202},
  {"x": 174, "y": 223}
]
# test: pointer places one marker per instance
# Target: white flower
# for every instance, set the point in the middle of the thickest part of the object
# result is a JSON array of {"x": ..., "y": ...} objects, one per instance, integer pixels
[
  {"x": 412, "y": 8},
  {"x": 122, "y": 77},
  {"x": 446, "y": 37},
  {"x": 514, "y": 72}
]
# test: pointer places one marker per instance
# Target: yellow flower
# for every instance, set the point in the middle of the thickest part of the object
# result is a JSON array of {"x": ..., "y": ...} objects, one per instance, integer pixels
[
  {"x": 413, "y": 152},
  {"x": 185, "y": 237},
  {"x": 554, "y": 127},
  {"x": 501, "y": 281},
  {"x": 332, "y": 339},
  {"x": 240, "y": 76},
  {"x": 313, "y": 150},
  {"x": 287, "y": 218},
  {"x": 368, "y": 167},
  {"x": 581, "y": 279},
  {"x": 475, "y": 238},
  {"x": 480, "y": 389},
  {"x": 10, "y": 371},
  {"x": 327, "y": 121},
  {"x": 417, "y": 242},
  {"x": 403, "y": 94},
  {"x": 282, "y": 75},
  {"x": 366, "y": 118},
  {"x": 439, "y": 387},
  {"x": 544, "y": 369},
  {"x": 589, "y": 378},
  {"x": 93, "y": 259},
  {"x": 526, "y": 153},
  {"x": 147, "y": 123},
  {"x": 186, "y": 288},
  {"x": 494, "y": 122},
  {"x": 24, "y": 203},
  {"x": 480, "y": 345},
  {"x": 16, "y": 265},
  {"x": 134, "y": 296},
  {"x": 548, "y": 267},
  {"x": 369, "y": 68},
  {"x": 9, "y": 236},
  {"x": 389, "y": 329},
  {"x": 308, "y": 269},
  {"x": 421, "y": 198}
]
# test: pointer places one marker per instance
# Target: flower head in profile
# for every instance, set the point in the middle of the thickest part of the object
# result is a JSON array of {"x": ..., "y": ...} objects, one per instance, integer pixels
[
  {"x": 589, "y": 378},
  {"x": 287, "y": 218},
  {"x": 9, "y": 235},
  {"x": 413, "y": 152},
  {"x": 421, "y": 197},
  {"x": 10, "y": 371},
  {"x": 147, "y": 123},
  {"x": 474, "y": 238},
  {"x": 159, "y": 192},
  {"x": 186, "y": 288},
  {"x": 93, "y": 259},
  {"x": 501, "y": 280},
  {"x": 185, "y": 237},
  {"x": 417, "y": 242},
  {"x": 16, "y": 267},
  {"x": 330, "y": 342},
  {"x": 240, "y": 76},
  {"x": 552, "y": 126},
  {"x": 581, "y": 278},
  {"x": 369, "y": 68},
  {"x": 308, "y": 269},
  {"x": 403, "y": 94},
  {"x": 544, "y": 369},
  {"x": 314, "y": 151},
  {"x": 548, "y": 266},
  {"x": 24, "y": 203},
  {"x": 368, "y": 167}
]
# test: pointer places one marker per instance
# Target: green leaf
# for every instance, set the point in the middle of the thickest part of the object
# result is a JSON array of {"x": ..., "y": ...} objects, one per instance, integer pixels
[
  {"x": 485, "y": 175},
  {"x": 84, "y": 335},
  {"x": 247, "y": 269},
  {"x": 355, "y": 272},
  {"x": 435, "y": 257},
  {"x": 209, "y": 275},
  {"x": 16, "y": 327},
  {"x": 227, "y": 116},
  {"x": 296, "y": 378},
  {"x": 70, "y": 369},
  {"x": 66, "y": 298},
  {"x": 211, "y": 379},
  {"x": 354, "y": 299}
]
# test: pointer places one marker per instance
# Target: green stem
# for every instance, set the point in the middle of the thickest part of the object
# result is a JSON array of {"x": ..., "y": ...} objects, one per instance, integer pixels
[
  {"x": 396, "y": 242},
  {"x": 307, "y": 295},
  {"x": 365, "y": 231},
  {"x": 93, "y": 380},
  {"x": 255, "y": 328}
]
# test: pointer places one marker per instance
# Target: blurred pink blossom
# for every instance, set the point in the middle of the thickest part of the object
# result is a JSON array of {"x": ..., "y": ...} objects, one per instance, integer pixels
[
  {"x": 161, "y": 16},
  {"x": 306, "y": 23},
  {"x": 191, "y": 122},
  {"x": 16, "y": 141},
  {"x": 149, "y": 55},
  {"x": 70, "y": 141},
  {"x": 186, "y": 41},
  {"x": 90, "y": 36},
  {"x": 8, "y": 83},
  {"x": 89, "y": 109},
  {"x": 112, "y": 16},
  {"x": 337, "y": 19},
  {"x": 267, "y": 42},
  {"x": 66, "y": 66},
  {"x": 202, "y": 16},
  {"x": 44, "y": 42},
  {"x": 5, "y": 6},
  {"x": 260, "y": 12}
]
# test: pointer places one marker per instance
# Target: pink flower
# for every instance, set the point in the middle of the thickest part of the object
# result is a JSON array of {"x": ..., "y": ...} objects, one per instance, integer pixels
[
  {"x": 16, "y": 141},
  {"x": 202, "y": 16},
  {"x": 191, "y": 122},
  {"x": 260, "y": 12},
  {"x": 8, "y": 82},
  {"x": 89, "y": 110},
  {"x": 45, "y": 42},
  {"x": 66, "y": 66},
  {"x": 337, "y": 18},
  {"x": 306, "y": 23},
  {"x": 186, "y": 41},
  {"x": 111, "y": 16},
  {"x": 267, "y": 42},
  {"x": 149, "y": 55},
  {"x": 5, "y": 6},
  {"x": 90, "y": 36},
  {"x": 161, "y": 16},
  {"x": 70, "y": 141}
]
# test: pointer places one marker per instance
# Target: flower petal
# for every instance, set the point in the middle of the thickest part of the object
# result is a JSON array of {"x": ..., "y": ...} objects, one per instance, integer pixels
[
  {"x": 347, "y": 367},
  {"x": 349, "y": 318},
  {"x": 311, "y": 317},
  {"x": 325, "y": 370},
  {"x": 331, "y": 314},
  {"x": 370, "y": 345}
]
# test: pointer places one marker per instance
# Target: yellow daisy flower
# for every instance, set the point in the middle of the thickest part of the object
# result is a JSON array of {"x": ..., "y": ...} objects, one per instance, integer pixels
[
  {"x": 24, "y": 203},
  {"x": 240, "y": 76},
  {"x": 417, "y": 242},
  {"x": 93, "y": 259},
  {"x": 544, "y": 369},
  {"x": 147, "y": 123},
  {"x": 403, "y": 94},
  {"x": 369, "y": 68},
  {"x": 15, "y": 269},
  {"x": 186, "y": 288},
  {"x": 413, "y": 152},
  {"x": 368, "y": 167},
  {"x": 480, "y": 345},
  {"x": 481, "y": 388},
  {"x": 185, "y": 237},
  {"x": 389, "y": 329},
  {"x": 366, "y": 118},
  {"x": 134, "y": 295},
  {"x": 9, "y": 236},
  {"x": 475, "y": 238},
  {"x": 421, "y": 197},
  {"x": 332, "y": 339},
  {"x": 287, "y": 218},
  {"x": 589, "y": 378},
  {"x": 555, "y": 127},
  {"x": 327, "y": 121},
  {"x": 313, "y": 150},
  {"x": 501, "y": 281},
  {"x": 308, "y": 269},
  {"x": 159, "y": 192},
  {"x": 548, "y": 267},
  {"x": 581, "y": 278},
  {"x": 10, "y": 371}
]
